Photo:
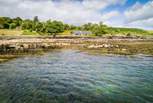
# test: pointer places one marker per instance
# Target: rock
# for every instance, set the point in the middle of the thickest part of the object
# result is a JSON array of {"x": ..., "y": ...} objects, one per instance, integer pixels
[
  {"x": 123, "y": 49},
  {"x": 107, "y": 45},
  {"x": 102, "y": 46},
  {"x": 25, "y": 46},
  {"x": 11, "y": 46},
  {"x": 45, "y": 45},
  {"x": 95, "y": 46},
  {"x": 17, "y": 47},
  {"x": 117, "y": 46},
  {"x": 91, "y": 46}
]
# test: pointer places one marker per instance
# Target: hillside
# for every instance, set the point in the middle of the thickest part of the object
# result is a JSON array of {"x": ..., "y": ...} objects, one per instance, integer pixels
[
  {"x": 18, "y": 26},
  {"x": 115, "y": 30}
]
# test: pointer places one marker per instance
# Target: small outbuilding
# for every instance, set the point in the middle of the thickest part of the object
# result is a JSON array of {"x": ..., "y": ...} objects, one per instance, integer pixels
[{"x": 81, "y": 33}]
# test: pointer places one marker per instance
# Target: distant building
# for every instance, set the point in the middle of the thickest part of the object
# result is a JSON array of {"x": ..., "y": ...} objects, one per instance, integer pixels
[{"x": 79, "y": 33}]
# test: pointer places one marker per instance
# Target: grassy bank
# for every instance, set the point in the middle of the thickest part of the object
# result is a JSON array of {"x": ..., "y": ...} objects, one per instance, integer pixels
[
  {"x": 6, "y": 32},
  {"x": 14, "y": 32},
  {"x": 125, "y": 32}
]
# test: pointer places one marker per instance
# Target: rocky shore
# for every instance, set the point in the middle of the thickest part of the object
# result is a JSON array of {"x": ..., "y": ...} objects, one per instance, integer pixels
[
  {"x": 22, "y": 45},
  {"x": 16, "y": 46}
]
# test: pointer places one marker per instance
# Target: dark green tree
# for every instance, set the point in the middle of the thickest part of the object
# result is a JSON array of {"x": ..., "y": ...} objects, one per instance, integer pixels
[
  {"x": 36, "y": 19},
  {"x": 2, "y": 22},
  {"x": 54, "y": 27},
  {"x": 5, "y": 22},
  {"x": 17, "y": 21},
  {"x": 12, "y": 26},
  {"x": 39, "y": 27},
  {"x": 27, "y": 25}
]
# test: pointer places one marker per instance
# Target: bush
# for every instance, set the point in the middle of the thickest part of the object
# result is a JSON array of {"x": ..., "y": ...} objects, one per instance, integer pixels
[
  {"x": 128, "y": 34},
  {"x": 28, "y": 32}
]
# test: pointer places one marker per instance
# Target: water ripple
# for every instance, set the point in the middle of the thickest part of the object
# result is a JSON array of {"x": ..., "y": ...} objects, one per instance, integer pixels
[{"x": 70, "y": 76}]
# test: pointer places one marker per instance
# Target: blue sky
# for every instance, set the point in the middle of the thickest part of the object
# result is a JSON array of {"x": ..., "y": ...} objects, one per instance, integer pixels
[
  {"x": 121, "y": 13},
  {"x": 127, "y": 5},
  {"x": 132, "y": 2}
]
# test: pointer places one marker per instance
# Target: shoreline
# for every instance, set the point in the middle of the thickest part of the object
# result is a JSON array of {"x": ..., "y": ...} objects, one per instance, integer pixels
[{"x": 18, "y": 47}]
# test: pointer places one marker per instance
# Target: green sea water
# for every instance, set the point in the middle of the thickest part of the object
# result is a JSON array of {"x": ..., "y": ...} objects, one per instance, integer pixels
[{"x": 69, "y": 76}]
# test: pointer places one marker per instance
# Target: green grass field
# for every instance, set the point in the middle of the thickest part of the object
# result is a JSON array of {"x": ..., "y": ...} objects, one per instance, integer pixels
[
  {"x": 7, "y": 32},
  {"x": 128, "y": 31}
]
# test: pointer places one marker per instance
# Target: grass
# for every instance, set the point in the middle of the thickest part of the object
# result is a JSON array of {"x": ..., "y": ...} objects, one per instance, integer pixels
[
  {"x": 151, "y": 31},
  {"x": 7, "y": 32},
  {"x": 66, "y": 33},
  {"x": 125, "y": 31},
  {"x": 111, "y": 32},
  {"x": 27, "y": 32}
]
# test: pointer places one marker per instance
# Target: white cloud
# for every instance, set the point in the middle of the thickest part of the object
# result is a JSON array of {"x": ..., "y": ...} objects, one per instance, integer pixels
[
  {"x": 146, "y": 24},
  {"x": 100, "y": 4},
  {"x": 110, "y": 15},
  {"x": 140, "y": 12},
  {"x": 69, "y": 11},
  {"x": 140, "y": 15}
]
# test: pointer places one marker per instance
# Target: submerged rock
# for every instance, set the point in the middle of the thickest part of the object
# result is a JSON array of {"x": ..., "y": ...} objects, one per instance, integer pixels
[{"x": 102, "y": 46}]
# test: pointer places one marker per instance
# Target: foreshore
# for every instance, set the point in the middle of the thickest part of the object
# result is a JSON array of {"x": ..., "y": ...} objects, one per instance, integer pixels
[{"x": 126, "y": 46}]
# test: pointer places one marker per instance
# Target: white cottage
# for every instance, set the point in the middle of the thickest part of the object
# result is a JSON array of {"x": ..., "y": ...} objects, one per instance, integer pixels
[{"x": 79, "y": 33}]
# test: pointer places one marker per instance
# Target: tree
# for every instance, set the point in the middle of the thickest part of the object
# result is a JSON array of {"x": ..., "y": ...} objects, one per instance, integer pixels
[
  {"x": 17, "y": 21},
  {"x": 67, "y": 27},
  {"x": 73, "y": 27},
  {"x": 87, "y": 26},
  {"x": 54, "y": 27},
  {"x": 7, "y": 19},
  {"x": 36, "y": 19},
  {"x": 12, "y": 26},
  {"x": 99, "y": 29},
  {"x": 27, "y": 24},
  {"x": 39, "y": 27},
  {"x": 4, "y": 22}
]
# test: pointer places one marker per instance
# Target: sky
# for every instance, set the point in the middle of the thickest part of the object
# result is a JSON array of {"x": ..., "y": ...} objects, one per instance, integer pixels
[{"x": 119, "y": 13}]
